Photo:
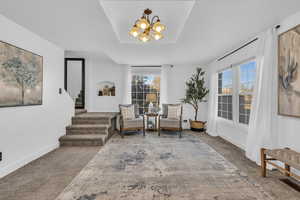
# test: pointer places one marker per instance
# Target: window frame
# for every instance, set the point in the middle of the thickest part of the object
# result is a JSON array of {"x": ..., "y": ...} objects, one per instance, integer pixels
[
  {"x": 143, "y": 74},
  {"x": 236, "y": 86},
  {"x": 232, "y": 93}
]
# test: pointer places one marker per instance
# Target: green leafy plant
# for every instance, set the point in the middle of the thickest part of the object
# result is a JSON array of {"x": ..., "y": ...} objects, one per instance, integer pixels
[{"x": 195, "y": 91}]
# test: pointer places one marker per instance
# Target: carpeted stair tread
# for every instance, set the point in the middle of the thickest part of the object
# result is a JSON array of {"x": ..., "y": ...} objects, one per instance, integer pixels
[
  {"x": 84, "y": 126},
  {"x": 89, "y": 129},
  {"x": 83, "y": 137},
  {"x": 83, "y": 140},
  {"x": 80, "y": 111}
]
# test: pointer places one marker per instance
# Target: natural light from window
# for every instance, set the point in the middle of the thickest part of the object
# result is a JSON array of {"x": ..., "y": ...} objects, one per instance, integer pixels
[
  {"x": 236, "y": 84},
  {"x": 145, "y": 88}
]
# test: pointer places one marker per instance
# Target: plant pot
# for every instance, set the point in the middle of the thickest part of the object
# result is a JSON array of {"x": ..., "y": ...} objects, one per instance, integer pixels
[{"x": 198, "y": 126}]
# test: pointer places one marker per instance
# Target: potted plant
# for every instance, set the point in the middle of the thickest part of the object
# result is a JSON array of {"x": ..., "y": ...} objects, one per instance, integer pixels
[{"x": 194, "y": 94}]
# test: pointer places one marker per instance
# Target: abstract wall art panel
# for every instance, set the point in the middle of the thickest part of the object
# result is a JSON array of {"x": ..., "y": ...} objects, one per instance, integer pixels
[
  {"x": 21, "y": 77},
  {"x": 289, "y": 73}
]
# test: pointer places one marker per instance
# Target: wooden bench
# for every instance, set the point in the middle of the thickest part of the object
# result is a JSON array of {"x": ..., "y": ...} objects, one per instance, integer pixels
[{"x": 287, "y": 156}]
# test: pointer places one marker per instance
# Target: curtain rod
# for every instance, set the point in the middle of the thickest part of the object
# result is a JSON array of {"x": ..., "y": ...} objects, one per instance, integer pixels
[
  {"x": 234, "y": 51},
  {"x": 245, "y": 45},
  {"x": 147, "y": 66}
]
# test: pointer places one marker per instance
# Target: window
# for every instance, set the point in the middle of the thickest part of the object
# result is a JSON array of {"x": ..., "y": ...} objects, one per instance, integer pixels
[
  {"x": 145, "y": 88},
  {"x": 225, "y": 86},
  {"x": 235, "y": 90},
  {"x": 246, "y": 85}
]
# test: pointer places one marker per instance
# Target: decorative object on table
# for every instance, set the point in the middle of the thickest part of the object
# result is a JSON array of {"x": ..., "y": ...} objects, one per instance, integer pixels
[
  {"x": 146, "y": 28},
  {"x": 130, "y": 120},
  {"x": 106, "y": 88},
  {"x": 151, "y": 97},
  {"x": 289, "y": 73},
  {"x": 151, "y": 120},
  {"x": 195, "y": 94},
  {"x": 21, "y": 77},
  {"x": 171, "y": 118}
]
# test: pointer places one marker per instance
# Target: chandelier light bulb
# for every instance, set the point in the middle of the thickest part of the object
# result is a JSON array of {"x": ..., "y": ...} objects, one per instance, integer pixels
[
  {"x": 144, "y": 37},
  {"x": 158, "y": 27},
  {"x": 157, "y": 36},
  {"x": 134, "y": 31},
  {"x": 143, "y": 23}
]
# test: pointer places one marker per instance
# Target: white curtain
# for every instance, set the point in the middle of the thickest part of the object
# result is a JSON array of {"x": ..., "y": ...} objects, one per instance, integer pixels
[
  {"x": 127, "y": 85},
  {"x": 212, "y": 101},
  {"x": 261, "y": 132},
  {"x": 165, "y": 72}
]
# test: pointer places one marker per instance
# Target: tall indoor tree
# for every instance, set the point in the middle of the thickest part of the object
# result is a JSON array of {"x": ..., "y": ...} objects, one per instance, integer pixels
[{"x": 195, "y": 93}]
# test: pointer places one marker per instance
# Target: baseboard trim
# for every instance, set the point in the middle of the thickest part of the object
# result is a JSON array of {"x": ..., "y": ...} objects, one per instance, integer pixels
[
  {"x": 233, "y": 142},
  {"x": 6, "y": 170}
]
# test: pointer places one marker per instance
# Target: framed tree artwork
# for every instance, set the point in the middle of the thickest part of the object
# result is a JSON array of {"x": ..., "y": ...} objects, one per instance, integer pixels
[
  {"x": 289, "y": 73},
  {"x": 21, "y": 77}
]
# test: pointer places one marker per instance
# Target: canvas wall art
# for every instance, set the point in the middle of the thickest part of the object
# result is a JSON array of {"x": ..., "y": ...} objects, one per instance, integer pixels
[
  {"x": 106, "y": 88},
  {"x": 289, "y": 73},
  {"x": 21, "y": 77}
]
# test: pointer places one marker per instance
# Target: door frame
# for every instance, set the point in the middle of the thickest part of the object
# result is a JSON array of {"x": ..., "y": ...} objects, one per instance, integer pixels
[{"x": 82, "y": 76}]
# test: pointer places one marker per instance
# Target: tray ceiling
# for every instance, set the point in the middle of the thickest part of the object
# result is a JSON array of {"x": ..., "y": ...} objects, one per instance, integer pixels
[{"x": 123, "y": 14}]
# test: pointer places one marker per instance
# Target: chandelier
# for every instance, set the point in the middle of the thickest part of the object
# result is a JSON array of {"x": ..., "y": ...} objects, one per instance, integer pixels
[{"x": 145, "y": 29}]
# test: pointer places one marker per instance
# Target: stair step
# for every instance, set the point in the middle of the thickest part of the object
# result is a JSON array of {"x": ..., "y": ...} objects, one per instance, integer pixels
[
  {"x": 82, "y": 140},
  {"x": 80, "y": 111},
  {"x": 81, "y": 119},
  {"x": 82, "y": 129}
]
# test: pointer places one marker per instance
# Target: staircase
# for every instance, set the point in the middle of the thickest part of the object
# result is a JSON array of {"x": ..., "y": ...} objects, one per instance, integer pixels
[{"x": 89, "y": 129}]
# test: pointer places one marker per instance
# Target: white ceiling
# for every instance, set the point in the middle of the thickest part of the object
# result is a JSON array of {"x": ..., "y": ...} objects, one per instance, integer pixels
[
  {"x": 123, "y": 14},
  {"x": 212, "y": 28}
]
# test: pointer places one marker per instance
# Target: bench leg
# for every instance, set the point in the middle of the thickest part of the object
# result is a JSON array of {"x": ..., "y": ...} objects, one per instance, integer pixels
[
  {"x": 288, "y": 169},
  {"x": 263, "y": 162}
]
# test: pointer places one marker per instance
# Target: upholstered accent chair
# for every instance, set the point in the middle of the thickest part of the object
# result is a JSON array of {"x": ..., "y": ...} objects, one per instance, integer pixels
[
  {"x": 171, "y": 118},
  {"x": 130, "y": 120}
]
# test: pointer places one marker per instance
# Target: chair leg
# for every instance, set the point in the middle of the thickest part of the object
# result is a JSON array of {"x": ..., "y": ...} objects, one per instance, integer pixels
[
  {"x": 159, "y": 131},
  {"x": 121, "y": 133},
  {"x": 180, "y": 133},
  {"x": 144, "y": 131},
  {"x": 263, "y": 163}
]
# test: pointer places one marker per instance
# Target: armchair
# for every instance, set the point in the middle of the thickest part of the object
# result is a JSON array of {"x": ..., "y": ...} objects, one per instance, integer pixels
[
  {"x": 130, "y": 120},
  {"x": 171, "y": 118}
]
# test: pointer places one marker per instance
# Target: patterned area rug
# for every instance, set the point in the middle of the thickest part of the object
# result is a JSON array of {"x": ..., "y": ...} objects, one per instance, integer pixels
[{"x": 161, "y": 168}]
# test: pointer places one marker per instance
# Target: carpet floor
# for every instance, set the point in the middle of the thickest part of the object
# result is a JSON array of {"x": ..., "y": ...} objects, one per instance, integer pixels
[
  {"x": 161, "y": 168},
  {"x": 46, "y": 177}
]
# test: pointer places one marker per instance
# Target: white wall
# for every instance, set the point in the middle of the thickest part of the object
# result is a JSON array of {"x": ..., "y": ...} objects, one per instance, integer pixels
[
  {"x": 230, "y": 130},
  {"x": 101, "y": 68},
  {"x": 177, "y": 76},
  {"x": 104, "y": 70},
  {"x": 287, "y": 127},
  {"x": 27, "y": 133}
]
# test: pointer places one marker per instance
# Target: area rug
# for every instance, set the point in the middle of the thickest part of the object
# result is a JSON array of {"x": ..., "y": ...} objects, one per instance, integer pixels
[{"x": 161, "y": 168}]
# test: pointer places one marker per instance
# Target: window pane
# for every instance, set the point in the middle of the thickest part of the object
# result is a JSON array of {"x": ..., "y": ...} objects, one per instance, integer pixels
[
  {"x": 145, "y": 89},
  {"x": 225, "y": 106},
  {"x": 225, "y": 94},
  {"x": 247, "y": 77},
  {"x": 247, "y": 81},
  {"x": 225, "y": 82}
]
